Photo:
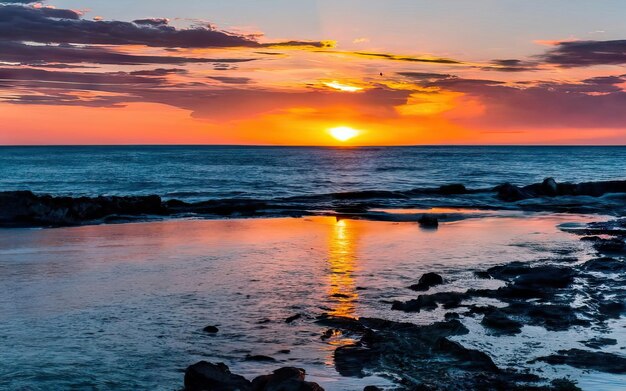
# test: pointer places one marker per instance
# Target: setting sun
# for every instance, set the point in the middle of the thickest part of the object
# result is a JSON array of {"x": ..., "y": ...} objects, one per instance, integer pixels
[{"x": 343, "y": 133}]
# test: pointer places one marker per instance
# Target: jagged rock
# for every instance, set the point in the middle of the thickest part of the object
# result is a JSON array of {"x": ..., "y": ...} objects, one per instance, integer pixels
[
  {"x": 427, "y": 281},
  {"x": 205, "y": 376},
  {"x": 285, "y": 379}
]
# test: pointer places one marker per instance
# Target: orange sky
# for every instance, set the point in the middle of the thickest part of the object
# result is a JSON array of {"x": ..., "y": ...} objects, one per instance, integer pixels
[{"x": 293, "y": 91}]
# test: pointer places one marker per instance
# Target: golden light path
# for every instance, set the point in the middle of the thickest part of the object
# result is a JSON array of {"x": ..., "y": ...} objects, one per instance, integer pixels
[{"x": 343, "y": 133}]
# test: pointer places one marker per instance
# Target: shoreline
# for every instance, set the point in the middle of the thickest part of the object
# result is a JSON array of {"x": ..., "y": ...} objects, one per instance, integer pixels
[{"x": 26, "y": 209}]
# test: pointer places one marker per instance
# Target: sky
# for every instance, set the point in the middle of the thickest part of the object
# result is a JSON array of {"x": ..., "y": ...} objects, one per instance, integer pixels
[{"x": 342, "y": 72}]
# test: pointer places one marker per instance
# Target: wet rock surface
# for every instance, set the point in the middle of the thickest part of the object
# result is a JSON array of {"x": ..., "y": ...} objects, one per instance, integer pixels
[
  {"x": 427, "y": 281},
  {"x": 206, "y": 376},
  {"x": 584, "y": 359}
]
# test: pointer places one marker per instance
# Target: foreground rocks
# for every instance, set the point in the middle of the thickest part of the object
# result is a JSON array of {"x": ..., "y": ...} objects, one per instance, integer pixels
[
  {"x": 206, "y": 376},
  {"x": 550, "y": 188}
]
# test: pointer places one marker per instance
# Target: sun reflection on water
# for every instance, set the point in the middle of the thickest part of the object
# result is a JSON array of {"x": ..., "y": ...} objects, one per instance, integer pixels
[{"x": 342, "y": 261}]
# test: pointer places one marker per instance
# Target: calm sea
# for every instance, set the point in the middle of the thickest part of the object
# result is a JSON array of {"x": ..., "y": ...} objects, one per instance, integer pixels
[{"x": 211, "y": 172}]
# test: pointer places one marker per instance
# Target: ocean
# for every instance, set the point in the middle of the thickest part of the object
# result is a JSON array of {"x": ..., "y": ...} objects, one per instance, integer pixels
[{"x": 194, "y": 173}]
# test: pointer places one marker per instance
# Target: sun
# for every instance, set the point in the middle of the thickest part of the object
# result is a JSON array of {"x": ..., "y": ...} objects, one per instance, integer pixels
[{"x": 343, "y": 133}]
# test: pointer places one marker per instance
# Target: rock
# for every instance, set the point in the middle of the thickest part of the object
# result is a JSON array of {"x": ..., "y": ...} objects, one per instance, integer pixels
[
  {"x": 455, "y": 188},
  {"x": 23, "y": 208},
  {"x": 510, "y": 193},
  {"x": 259, "y": 357},
  {"x": 609, "y": 245},
  {"x": 605, "y": 265},
  {"x": 427, "y": 281},
  {"x": 499, "y": 321},
  {"x": 467, "y": 358},
  {"x": 205, "y": 376},
  {"x": 210, "y": 329},
  {"x": 428, "y": 221},
  {"x": 372, "y": 388},
  {"x": 293, "y": 318},
  {"x": 584, "y": 359},
  {"x": 285, "y": 379},
  {"x": 599, "y": 342},
  {"x": 430, "y": 302}
]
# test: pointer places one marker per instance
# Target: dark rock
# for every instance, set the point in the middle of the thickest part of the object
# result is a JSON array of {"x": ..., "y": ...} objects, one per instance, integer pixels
[
  {"x": 372, "y": 388},
  {"x": 427, "y": 281},
  {"x": 599, "y": 342},
  {"x": 293, "y": 318},
  {"x": 340, "y": 295},
  {"x": 430, "y": 302},
  {"x": 428, "y": 221},
  {"x": 612, "y": 309},
  {"x": 609, "y": 245},
  {"x": 584, "y": 359},
  {"x": 499, "y": 321},
  {"x": 511, "y": 193},
  {"x": 285, "y": 379},
  {"x": 23, "y": 208},
  {"x": 259, "y": 357},
  {"x": 467, "y": 358},
  {"x": 455, "y": 188},
  {"x": 210, "y": 329},
  {"x": 205, "y": 376},
  {"x": 451, "y": 316},
  {"x": 605, "y": 265}
]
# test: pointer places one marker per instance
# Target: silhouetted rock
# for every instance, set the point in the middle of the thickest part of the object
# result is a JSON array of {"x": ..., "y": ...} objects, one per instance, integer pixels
[
  {"x": 427, "y": 281},
  {"x": 205, "y": 376},
  {"x": 428, "y": 221},
  {"x": 511, "y": 193},
  {"x": 455, "y": 188},
  {"x": 210, "y": 329},
  {"x": 23, "y": 208},
  {"x": 584, "y": 359}
]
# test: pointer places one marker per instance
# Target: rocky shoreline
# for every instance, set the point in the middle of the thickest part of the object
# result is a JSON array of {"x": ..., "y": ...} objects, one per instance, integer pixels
[
  {"x": 26, "y": 209},
  {"x": 546, "y": 293}
]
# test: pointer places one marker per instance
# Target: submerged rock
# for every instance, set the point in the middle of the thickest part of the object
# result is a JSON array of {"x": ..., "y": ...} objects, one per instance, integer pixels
[
  {"x": 427, "y": 281},
  {"x": 584, "y": 359},
  {"x": 210, "y": 329},
  {"x": 599, "y": 342},
  {"x": 293, "y": 318}
]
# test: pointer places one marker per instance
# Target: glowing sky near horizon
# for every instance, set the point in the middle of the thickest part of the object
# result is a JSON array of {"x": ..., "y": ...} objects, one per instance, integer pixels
[{"x": 284, "y": 72}]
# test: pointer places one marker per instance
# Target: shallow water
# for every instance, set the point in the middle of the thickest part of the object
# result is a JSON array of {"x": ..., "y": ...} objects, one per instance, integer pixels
[{"x": 116, "y": 307}]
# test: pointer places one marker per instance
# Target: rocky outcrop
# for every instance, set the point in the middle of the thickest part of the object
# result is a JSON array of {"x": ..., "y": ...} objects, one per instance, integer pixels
[
  {"x": 23, "y": 208},
  {"x": 550, "y": 188},
  {"x": 206, "y": 376},
  {"x": 427, "y": 281}
]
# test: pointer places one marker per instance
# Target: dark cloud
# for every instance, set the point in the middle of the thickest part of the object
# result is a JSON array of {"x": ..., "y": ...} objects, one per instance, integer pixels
[
  {"x": 49, "y": 25},
  {"x": 586, "y": 53},
  {"x": 152, "y": 21},
  {"x": 159, "y": 72},
  {"x": 511, "y": 65},
  {"x": 94, "y": 79},
  {"x": 592, "y": 103},
  {"x": 69, "y": 54},
  {"x": 231, "y": 80},
  {"x": 425, "y": 76},
  {"x": 395, "y": 57}
]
